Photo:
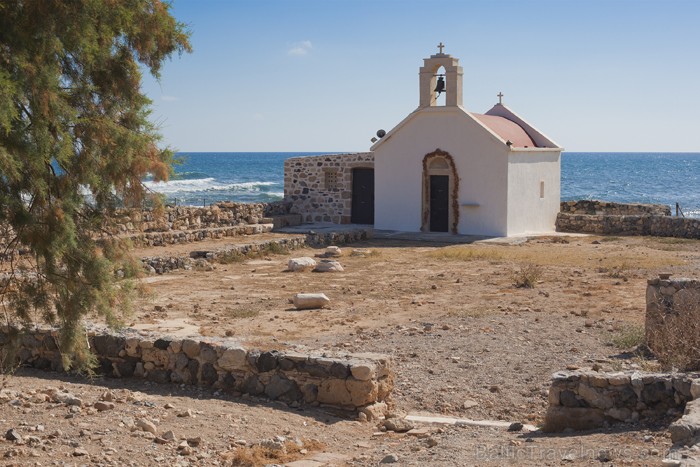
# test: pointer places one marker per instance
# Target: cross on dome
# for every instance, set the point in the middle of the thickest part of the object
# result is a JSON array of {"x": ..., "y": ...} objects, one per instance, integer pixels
[{"x": 500, "y": 97}]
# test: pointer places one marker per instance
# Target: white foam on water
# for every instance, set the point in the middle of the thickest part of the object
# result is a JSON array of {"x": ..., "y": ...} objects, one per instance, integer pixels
[{"x": 204, "y": 184}]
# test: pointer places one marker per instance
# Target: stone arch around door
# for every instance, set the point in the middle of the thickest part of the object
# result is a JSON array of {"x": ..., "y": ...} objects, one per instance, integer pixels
[{"x": 436, "y": 166}]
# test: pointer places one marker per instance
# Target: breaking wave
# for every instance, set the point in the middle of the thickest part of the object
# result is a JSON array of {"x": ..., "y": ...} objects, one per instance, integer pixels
[{"x": 208, "y": 184}]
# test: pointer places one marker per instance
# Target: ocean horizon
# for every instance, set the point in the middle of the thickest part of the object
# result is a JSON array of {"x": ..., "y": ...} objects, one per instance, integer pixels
[{"x": 203, "y": 178}]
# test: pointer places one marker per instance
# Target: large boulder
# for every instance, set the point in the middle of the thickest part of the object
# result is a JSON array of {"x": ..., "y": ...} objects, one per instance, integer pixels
[
  {"x": 301, "y": 264},
  {"x": 307, "y": 301}
]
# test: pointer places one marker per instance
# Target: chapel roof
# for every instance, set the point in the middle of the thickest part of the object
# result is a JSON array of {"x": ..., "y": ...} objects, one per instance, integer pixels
[{"x": 508, "y": 130}]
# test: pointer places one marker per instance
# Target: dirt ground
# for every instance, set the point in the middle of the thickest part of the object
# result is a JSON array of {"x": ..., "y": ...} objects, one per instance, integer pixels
[{"x": 466, "y": 341}]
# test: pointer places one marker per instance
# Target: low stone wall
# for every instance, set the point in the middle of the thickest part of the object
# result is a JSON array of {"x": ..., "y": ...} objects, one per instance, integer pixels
[
  {"x": 161, "y": 265},
  {"x": 198, "y": 235},
  {"x": 181, "y": 218},
  {"x": 673, "y": 321},
  {"x": 343, "y": 381},
  {"x": 658, "y": 226},
  {"x": 583, "y": 400},
  {"x": 593, "y": 207},
  {"x": 320, "y": 187},
  {"x": 184, "y": 224}
]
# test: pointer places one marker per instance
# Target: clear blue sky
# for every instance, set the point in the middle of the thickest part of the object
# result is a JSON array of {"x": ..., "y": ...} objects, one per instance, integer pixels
[{"x": 324, "y": 75}]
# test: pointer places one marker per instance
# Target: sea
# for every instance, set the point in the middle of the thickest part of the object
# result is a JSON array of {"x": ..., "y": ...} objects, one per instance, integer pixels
[{"x": 202, "y": 178}]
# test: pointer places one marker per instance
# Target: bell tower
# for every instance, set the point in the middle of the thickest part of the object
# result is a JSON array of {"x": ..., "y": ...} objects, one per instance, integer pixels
[{"x": 429, "y": 80}]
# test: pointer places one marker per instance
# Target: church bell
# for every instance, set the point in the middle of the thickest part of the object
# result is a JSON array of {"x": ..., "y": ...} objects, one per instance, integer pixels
[{"x": 440, "y": 87}]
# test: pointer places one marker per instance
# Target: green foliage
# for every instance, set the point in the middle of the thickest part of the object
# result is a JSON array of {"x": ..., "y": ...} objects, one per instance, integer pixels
[
  {"x": 629, "y": 337},
  {"x": 73, "y": 119},
  {"x": 274, "y": 248}
]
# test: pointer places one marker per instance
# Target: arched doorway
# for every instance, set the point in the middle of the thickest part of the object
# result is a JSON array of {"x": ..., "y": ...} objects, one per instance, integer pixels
[{"x": 440, "y": 188}]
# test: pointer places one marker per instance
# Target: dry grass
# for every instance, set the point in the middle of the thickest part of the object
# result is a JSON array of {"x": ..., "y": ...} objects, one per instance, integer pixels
[
  {"x": 257, "y": 456},
  {"x": 565, "y": 255},
  {"x": 619, "y": 271},
  {"x": 672, "y": 243},
  {"x": 469, "y": 253},
  {"x": 472, "y": 312},
  {"x": 527, "y": 276},
  {"x": 235, "y": 256},
  {"x": 230, "y": 257},
  {"x": 674, "y": 335},
  {"x": 609, "y": 239},
  {"x": 241, "y": 313},
  {"x": 275, "y": 248},
  {"x": 675, "y": 241},
  {"x": 629, "y": 337}
]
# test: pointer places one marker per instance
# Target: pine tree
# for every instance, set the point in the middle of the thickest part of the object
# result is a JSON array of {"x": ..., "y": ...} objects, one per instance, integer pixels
[{"x": 75, "y": 137}]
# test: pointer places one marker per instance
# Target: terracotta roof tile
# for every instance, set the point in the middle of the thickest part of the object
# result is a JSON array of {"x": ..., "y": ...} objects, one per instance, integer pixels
[{"x": 506, "y": 129}]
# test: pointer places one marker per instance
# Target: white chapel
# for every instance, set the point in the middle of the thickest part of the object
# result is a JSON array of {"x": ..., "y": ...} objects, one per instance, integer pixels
[
  {"x": 441, "y": 169},
  {"x": 445, "y": 169}
]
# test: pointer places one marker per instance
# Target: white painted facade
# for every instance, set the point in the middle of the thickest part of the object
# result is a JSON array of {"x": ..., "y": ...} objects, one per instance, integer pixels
[{"x": 507, "y": 172}]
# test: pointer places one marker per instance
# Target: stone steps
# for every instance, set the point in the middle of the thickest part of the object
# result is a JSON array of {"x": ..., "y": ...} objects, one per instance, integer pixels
[{"x": 163, "y": 264}]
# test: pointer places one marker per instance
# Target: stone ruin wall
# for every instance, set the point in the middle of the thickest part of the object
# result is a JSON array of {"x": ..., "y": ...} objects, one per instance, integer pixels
[
  {"x": 607, "y": 208},
  {"x": 583, "y": 400},
  {"x": 672, "y": 325},
  {"x": 184, "y": 224},
  {"x": 184, "y": 218},
  {"x": 180, "y": 218},
  {"x": 351, "y": 382},
  {"x": 588, "y": 399},
  {"x": 604, "y": 218},
  {"x": 164, "y": 264},
  {"x": 319, "y": 188}
]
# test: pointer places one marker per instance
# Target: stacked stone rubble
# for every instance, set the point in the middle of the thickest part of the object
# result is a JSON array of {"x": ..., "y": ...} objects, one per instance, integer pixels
[
  {"x": 583, "y": 400},
  {"x": 347, "y": 381},
  {"x": 307, "y": 190}
]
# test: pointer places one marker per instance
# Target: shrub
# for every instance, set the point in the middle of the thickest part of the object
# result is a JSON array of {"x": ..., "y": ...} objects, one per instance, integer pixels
[
  {"x": 230, "y": 256},
  {"x": 629, "y": 337},
  {"x": 527, "y": 276},
  {"x": 617, "y": 271},
  {"x": 274, "y": 248},
  {"x": 674, "y": 335}
]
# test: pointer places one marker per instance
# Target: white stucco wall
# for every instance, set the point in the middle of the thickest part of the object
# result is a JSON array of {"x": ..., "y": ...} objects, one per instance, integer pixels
[
  {"x": 480, "y": 158},
  {"x": 527, "y": 212}
]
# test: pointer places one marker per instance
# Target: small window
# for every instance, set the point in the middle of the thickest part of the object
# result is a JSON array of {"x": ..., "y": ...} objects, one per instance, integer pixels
[
  {"x": 542, "y": 189},
  {"x": 331, "y": 180}
]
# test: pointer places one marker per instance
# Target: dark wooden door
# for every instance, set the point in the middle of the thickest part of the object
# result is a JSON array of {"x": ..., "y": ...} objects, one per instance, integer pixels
[
  {"x": 439, "y": 203},
  {"x": 362, "y": 210}
]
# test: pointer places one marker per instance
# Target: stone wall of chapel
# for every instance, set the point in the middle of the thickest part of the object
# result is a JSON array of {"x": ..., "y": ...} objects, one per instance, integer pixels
[{"x": 319, "y": 188}]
